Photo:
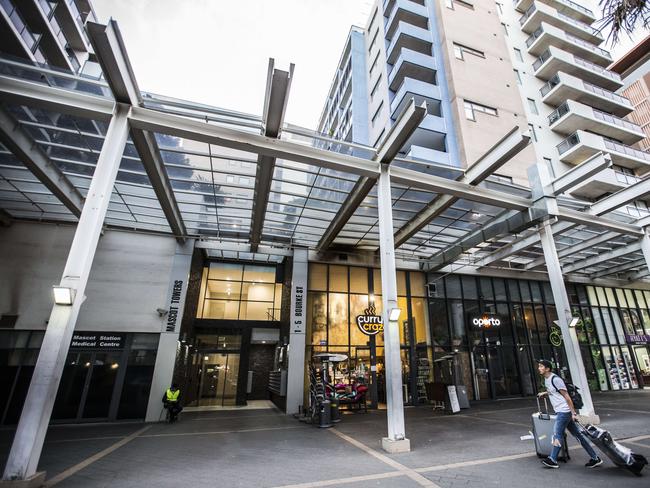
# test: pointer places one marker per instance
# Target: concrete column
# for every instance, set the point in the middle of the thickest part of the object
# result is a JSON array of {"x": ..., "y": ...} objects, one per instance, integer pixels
[
  {"x": 645, "y": 246},
  {"x": 35, "y": 417},
  {"x": 571, "y": 345},
  {"x": 396, "y": 440},
  {"x": 168, "y": 344},
  {"x": 296, "y": 360}
]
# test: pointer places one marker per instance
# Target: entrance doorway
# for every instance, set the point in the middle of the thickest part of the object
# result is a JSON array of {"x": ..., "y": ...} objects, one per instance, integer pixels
[
  {"x": 87, "y": 384},
  {"x": 217, "y": 374}
]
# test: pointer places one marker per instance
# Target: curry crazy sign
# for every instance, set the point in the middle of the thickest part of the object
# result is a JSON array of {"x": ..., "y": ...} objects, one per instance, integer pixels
[{"x": 370, "y": 323}]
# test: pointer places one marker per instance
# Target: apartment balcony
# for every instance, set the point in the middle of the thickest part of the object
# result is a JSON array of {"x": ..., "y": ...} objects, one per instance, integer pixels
[
  {"x": 572, "y": 116},
  {"x": 562, "y": 87},
  {"x": 419, "y": 153},
  {"x": 15, "y": 35},
  {"x": 607, "y": 181},
  {"x": 72, "y": 23},
  {"x": 548, "y": 35},
  {"x": 539, "y": 12},
  {"x": 582, "y": 145},
  {"x": 408, "y": 36},
  {"x": 566, "y": 7},
  {"x": 414, "y": 65},
  {"x": 389, "y": 4},
  {"x": 553, "y": 60},
  {"x": 407, "y": 11},
  {"x": 418, "y": 90}
]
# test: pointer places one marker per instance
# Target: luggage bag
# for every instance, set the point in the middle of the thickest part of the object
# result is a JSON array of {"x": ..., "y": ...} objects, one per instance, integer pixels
[
  {"x": 619, "y": 454},
  {"x": 543, "y": 423}
]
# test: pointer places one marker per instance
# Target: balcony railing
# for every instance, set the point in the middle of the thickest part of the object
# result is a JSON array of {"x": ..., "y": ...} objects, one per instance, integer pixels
[
  {"x": 568, "y": 143},
  {"x": 594, "y": 67},
  {"x": 588, "y": 45},
  {"x": 606, "y": 93},
  {"x": 533, "y": 37},
  {"x": 622, "y": 148},
  {"x": 31, "y": 39},
  {"x": 575, "y": 6},
  {"x": 611, "y": 119},
  {"x": 541, "y": 60},
  {"x": 578, "y": 23},
  {"x": 558, "y": 113},
  {"x": 549, "y": 85},
  {"x": 527, "y": 14}
]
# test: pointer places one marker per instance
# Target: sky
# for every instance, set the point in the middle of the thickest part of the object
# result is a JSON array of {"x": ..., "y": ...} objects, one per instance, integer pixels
[{"x": 216, "y": 51}]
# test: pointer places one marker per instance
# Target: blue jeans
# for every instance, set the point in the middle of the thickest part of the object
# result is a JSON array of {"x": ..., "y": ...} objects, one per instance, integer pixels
[{"x": 563, "y": 422}]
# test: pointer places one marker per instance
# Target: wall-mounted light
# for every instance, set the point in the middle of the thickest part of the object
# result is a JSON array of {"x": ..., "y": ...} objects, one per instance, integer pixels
[
  {"x": 393, "y": 314},
  {"x": 574, "y": 322},
  {"x": 63, "y": 295}
]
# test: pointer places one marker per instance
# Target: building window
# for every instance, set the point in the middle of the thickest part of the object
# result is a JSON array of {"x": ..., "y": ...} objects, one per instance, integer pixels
[
  {"x": 500, "y": 8},
  {"x": 518, "y": 55},
  {"x": 374, "y": 38},
  {"x": 374, "y": 63},
  {"x": 464, "y": 3},
  {"x": 471, "y": 108},
  {"x": 374, "y": 88},
  {"x": 232, "y": 291},
  {"x": 533, "y": 134},
  {"x": 532, "y": 106},
  {"x": 377, "y": 112},
  {"x": 460, "y": 51},
  {"x": 374, "y": 16},
  {"x": 518, "y": 76},
  {"x": 505, "y": 28}
]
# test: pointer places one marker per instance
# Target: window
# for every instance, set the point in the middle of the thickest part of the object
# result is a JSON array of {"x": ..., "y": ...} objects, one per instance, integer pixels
[
  {"x": 464, "y": 3},
  {"x": 377, "y": 112},
  {"x": 531, "y": 127},
  {"x": 518, "y": 55},
  {"x": 374, "y": 88},
  {"x": 549, "y": 165},
  {"x": 460, "y": 50},
  {"x": 374, "y": 63},
  {"x": 533, "y": 106},
  {"x": 374, "y": 16},
  {"x": 239, "y": 292},
  {"x": 500, "y": 8},
  {"x": 471, "y": 108},
  {"x": 374, "y": 38},
  {"x": 505, "y": 28},
  {"x": 518, "y": 76}
]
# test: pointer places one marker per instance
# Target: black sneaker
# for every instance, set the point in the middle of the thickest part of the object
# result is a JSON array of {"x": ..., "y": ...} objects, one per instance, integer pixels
[
  {"x": 594, "y": 462},
  {"x": 549, "y": 463}
]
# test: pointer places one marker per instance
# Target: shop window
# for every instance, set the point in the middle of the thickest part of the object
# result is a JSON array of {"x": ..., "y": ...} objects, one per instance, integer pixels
[
  {"x": 401, "y": 283},
  {"x": 457, "y": 322},
  {"x": 338, "y": 320},
  {"x": 469, "y": 288},
  {"x": 640, "y": 299},
  {"x": 317, "y": 317},
  {"x": 358, "y": 280},
  {"x": 439, "y": 325},
  {"x": 317, "y": 277},
  {"x": 420, "y": 320},
  {"x": 452, "y": 286},
  {"x": 499, "y": 289},
  {"x": 524, "y": 286},
  {"x": 536, "y": 293},
  {"x": 259, "y": 274},
  {"x": 358, "y": 305},
  {"x": 486, "y": 289},
  {"x": 418, "y": 285},
  {"x": 338, "y": 279},
  {"x": 226, "y": 271},
  {"x": 513, "y": 289},
  {"x": 548, "y": 294},
  {"x": 621, "y": 298},
  {"x": 376, "y": 281}
]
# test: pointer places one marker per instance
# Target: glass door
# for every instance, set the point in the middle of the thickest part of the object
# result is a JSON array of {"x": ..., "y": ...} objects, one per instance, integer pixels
[{"x": 217, "y": 383}]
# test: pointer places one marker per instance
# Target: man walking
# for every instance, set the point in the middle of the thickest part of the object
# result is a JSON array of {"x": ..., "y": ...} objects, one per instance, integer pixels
[{"x": 566, "y": 416}]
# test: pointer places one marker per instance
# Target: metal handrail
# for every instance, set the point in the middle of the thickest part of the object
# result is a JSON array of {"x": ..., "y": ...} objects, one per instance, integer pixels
[
  {"x": 550, "y": 84},
  {"x": 558, "y": 113},
  {"x": 568, "y": 143}
]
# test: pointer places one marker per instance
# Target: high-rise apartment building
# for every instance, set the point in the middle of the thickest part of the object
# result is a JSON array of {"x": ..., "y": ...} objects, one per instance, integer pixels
[
  {"x": 485, "y": 67},
  {"x": 634, "y": 69},
  {"x": 46, "y": 32}
]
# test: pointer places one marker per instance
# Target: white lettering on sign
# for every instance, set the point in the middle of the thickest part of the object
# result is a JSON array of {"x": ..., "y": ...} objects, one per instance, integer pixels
[
  {"x": 298, "y": 323},
  {"x": 486, "y": 322},
  {"x": 172, "y": 316}
]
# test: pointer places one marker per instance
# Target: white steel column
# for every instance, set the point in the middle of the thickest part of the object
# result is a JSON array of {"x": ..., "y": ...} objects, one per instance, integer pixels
[
  {"x": 645, "y": 246},
  {"x": 571, "y": 345},
  {"x": 396, "y": 440},
  {"x": 296, "y": 363},
  {"x": 35, "y": 417}
]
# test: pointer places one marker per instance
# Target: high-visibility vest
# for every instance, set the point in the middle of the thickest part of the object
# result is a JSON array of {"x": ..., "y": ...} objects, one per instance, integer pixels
[{"x": 172, "y": 396}]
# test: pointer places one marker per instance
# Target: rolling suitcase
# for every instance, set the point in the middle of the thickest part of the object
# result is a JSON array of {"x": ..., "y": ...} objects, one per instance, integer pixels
[
  {"x": 619, "y": 455},
  {"x": 543, "y": 423}
]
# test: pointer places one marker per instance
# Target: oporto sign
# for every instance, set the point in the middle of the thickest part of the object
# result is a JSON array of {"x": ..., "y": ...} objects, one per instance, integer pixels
[
  {"x": 486, "y": 321},
  {"x": 370, "y": 323}
]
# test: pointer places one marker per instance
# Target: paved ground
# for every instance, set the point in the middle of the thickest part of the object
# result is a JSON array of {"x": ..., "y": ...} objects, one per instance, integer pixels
[{"x": 264, "y": 448}]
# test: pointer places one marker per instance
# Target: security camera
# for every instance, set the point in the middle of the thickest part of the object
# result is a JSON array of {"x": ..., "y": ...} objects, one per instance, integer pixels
[{"x": 162, "y": 311}]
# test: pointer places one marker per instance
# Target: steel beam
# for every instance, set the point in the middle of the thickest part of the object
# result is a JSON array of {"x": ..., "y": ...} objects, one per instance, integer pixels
[
  {"x": 568, "y": 251},
  {"x": 278, "y": 84},
  {"x": 584, "y": 218},
  {"x": 34, "y": 158},
  {"x": 608, "y": 204},
  {"x": 58, "y": 100},
  {"x": 495, "y": 157},
  {"x": 114, "y": 60},
  {"x": 400, "y": 132},
  {"x": 581, "y": 172},
  {"x": 242, "y": 247},
  {"x": 602, "y": 257},
  {"x": 437, "y": 184},
  {"x": 619, "y": 269},
  {"x": 175, "y": 125}
]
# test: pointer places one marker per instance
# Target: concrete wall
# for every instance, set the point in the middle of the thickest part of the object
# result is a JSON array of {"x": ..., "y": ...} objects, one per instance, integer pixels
[
  {"x": 128, "y": 282},
  {"x": 488, "y": 81}
]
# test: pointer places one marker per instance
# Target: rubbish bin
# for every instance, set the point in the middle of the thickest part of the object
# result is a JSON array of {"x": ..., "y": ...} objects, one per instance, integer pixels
[
  {"x": 335, "y": 413},
  {"x": 325, "y": 414}
]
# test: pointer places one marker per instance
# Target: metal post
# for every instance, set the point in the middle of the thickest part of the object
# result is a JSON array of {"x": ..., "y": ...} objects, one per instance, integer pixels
[
  {"x": 35, "y": 417},
  {"x": 571, "y": 345},
  {"x": 296, "y": 363},
  {"x": 645, "y": 246},
  {"x": 396, "y": 440}
]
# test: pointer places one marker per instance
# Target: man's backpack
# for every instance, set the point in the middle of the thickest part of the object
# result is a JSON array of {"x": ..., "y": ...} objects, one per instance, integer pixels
[{"x": 574, "y": 393}]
